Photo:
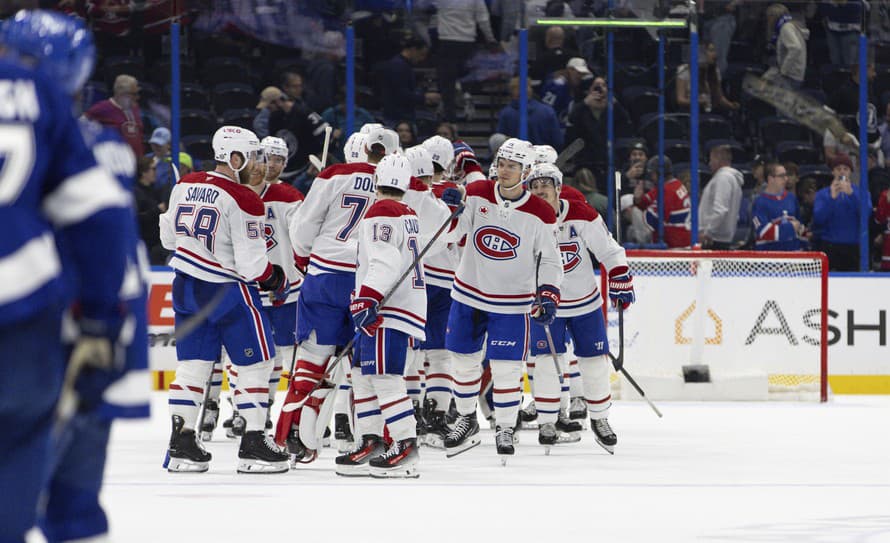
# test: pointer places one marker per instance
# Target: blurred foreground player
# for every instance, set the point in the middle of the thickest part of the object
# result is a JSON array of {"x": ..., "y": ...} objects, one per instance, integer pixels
[{"x": 52, "y": 191}]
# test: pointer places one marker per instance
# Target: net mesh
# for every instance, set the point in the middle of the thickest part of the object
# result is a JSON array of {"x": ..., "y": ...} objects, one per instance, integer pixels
[{"x": 751, "y": 319}]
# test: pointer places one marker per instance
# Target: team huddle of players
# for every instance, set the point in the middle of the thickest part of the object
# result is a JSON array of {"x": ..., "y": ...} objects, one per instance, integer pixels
[{"x": 404, "y": 290}]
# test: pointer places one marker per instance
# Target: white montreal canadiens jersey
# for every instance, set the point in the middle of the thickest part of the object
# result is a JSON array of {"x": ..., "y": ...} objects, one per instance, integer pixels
[
  {"x": 497, "y": 270},
  {"x": 439, "y": 266},
  {"x": 389, "y": 241},
  {"x": 326, "y": 225},
  {"x": 581, "y": 229},
  {"x": 215, "y": 225},
  {"x": 432, "y": 213},
  {"x": 282, "y": 202}
]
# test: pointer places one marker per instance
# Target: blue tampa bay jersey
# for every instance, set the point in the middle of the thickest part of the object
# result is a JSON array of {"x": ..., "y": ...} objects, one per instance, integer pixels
[{"x": 49, "y": 183}]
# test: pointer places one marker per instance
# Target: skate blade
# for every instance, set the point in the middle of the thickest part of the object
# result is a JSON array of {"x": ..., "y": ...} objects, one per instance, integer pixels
[
  {"x": 472, "y": 441},
  {"x": 182, "y": 465},
  {"x": 261, "y": 466},
  {"x": 353, "y": 471},
  {"x": 401, "y": 472},
  {"x": 547, "y": 450},
  {"x": 569, "y": 437},
  {"x": 608, "y": 448},
  {"x": 504, "y": 458}
]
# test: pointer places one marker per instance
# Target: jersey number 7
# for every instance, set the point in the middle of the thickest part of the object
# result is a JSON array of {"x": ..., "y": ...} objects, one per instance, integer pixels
[{"x": 358, "y": 204}]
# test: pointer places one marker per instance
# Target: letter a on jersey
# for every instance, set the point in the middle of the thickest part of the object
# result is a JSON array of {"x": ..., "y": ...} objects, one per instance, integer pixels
[{"x": 496, "y": 243}]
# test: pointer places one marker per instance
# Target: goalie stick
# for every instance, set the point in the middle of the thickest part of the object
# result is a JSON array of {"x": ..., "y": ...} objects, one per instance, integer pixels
[{"x": 287, "y": 408}]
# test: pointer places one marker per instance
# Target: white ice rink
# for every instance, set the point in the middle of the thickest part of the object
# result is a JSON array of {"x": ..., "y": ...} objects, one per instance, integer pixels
[{"x": 705, "y": 472}]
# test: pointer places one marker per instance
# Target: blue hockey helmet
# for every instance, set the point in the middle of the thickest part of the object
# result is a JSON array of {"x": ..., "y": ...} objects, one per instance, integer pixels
[{"x": 61, "y": 46}]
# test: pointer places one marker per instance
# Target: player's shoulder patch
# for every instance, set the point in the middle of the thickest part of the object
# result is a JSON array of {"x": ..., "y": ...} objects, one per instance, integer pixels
[
  {"x": 539, "y": 208},
  {"x": 483, "y": 188},
  {"x": 388, "y": 208},
  {"x": 580, "y": 211},
  {"x": 346, "y": 169},
  {"x": 282, "y": 192}
]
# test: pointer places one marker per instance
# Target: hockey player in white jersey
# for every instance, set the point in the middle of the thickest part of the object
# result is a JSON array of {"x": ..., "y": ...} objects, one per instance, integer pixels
[
  {"x": 545, "y": 154},
  {"x": 496, "y": 288},
  {"x": 324, "y": 236},
  {"x": 581, "y": 232},
  {"x": 215, "y": 225},
  {"x": 390, "y": 242}
]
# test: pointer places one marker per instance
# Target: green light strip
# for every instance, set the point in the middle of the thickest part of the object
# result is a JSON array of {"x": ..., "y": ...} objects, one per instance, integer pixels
[{"x": 620, "y": 23}]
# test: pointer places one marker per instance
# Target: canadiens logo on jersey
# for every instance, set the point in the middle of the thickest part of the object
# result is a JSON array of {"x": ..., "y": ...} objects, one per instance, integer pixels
[
  {"x": 571, "y": 255},
  {"x": 270, "y": 237},
  {"x": 496, "y": 243}
]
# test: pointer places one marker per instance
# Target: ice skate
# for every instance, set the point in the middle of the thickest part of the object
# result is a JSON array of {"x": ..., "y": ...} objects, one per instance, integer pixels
[
  {"x": 605, "y": 437},
  {"x": 400, "y": 461},
  {"x": 185, "y": 453},
  {"x": 569, "y": 430},
  {"x": 528, "y": 416},
  {"x": 464, "y": 436},
  {"x": 503, "y": 440},
  {"x": 257, "y": 453},
  {"x": 211, "y": 416},
  {"x": 234, "y": 426},
  {"x": 578, "y": 408},
  {"x": 355, "y": 462},
  {"x": 420, "y": 418},
  {"x": 436, "y": 430},
  {"x": 343, "y": 438},
  {"x": 548, "y": 436},
  {"x": 297, "y": 450}
]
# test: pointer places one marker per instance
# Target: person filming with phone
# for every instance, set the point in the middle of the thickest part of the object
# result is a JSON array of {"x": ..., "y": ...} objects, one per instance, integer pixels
[{"x": 836, "y": 216}]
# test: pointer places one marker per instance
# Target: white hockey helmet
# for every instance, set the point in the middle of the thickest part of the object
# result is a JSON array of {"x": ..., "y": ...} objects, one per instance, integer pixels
[
  {"x": 545, "y": 171},
  {"x": 441, "y": 151},
  {"x": 421, "y": 161},
  {"x": 272, "y": 146},
  {"x": 354, "y": 150},
  {"x": 517, "y": 150},
  {"x": 493, "y": 171},
  {"x": 545, "y": 154},
  {"x": 393, "y": 171},
  {"x": 234, "y": 139},
  {"x": 367, "y": 127},
  {"x": 385, "y": 137}
]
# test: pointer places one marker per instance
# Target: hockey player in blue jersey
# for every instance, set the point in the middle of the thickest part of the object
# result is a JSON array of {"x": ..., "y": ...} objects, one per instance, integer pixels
[
  {"x": 775, "y": 210},
  {"x": 52, "y": 193}
]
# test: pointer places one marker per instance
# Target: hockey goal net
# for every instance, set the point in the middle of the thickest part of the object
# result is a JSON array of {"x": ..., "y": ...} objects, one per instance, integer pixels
[{"x": 726, "y": 325}]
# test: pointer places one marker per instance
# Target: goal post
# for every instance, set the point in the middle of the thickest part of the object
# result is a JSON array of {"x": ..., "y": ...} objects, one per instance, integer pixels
[{"x": 727, "y": 325}]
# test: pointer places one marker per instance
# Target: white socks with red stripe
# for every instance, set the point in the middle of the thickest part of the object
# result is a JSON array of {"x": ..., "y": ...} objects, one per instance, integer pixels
[
  {"x": 597, "y": 389},
  {"x": 251, "y": 396},
  {"x": 415, "y": 375},
  {"x": 395, "y": 406},
  {"x": 438, "y": 378},
  {"x": 506, "y": 376},
  {"x": 283, "y": 356},
  {"x": 367, "y": 410},
  {"x": 187, "y": 390},
  {"x": 546, "y": 392},
  {"x": 467, "y": 372}
]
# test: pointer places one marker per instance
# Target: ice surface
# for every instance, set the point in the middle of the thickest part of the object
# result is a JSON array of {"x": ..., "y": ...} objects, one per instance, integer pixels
[{"x": 705, "y": 472}]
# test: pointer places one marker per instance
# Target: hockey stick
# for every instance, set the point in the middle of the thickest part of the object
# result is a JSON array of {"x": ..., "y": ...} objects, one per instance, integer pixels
[
  {"x": 550, "y": 343},
  {"x": 314, "y": 160},
  {"x": 293, "y": 407},
  {"x": 207, "y": 384},
  {"x": 618, "y": 361},
  {"x": 569, "y": 152}
]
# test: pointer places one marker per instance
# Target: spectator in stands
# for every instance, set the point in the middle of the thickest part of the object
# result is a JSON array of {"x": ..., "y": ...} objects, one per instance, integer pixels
[
  {"x": 882, "y": 218},
  {"x": 396, "y": 83},
  {"x": 336, "y": 117},
  {"x": 806, "y": 197},
  {"x": 718, "y": 212},
  {"x": 719, "y": 26},
  {"x": 710, "y": 92},
  {"x": 150, "y": 203},
  {"x": 633, "y": 222},
  {"x": 448, "y": 131},
  {"x": 677, "y": 205},
  {"x": 842, "y": 20},
  {"x": 634, "y": 173},
  {"x": 585, "y": 181},
  {"x": 122, "y": 112},
  {"x": 845, "y": 98},
  {"x": 836, "y": 213},
  {"x": 271, "y": 100},
  {"x": 849, "y": 144},
  {"x": 166, "y": 174},
  {"x": 587, "y": 121},
  {"x": 543, "y": 126},
  {"x": 302, "y": 129},
  {"x": 565, "y": 87},
  {"x": 554, "y": 56},
  {"x": 456, "y": 22},
  {"x": 323, "y": 71},
  {"x": 776, "y": 223},
  {"x": 293, "y": 85},
  {"x": 793, "y": 177},
  {"x": 407, "y": 134},
  {"x": 790, "y": 41},
  {"x": 884, "y": 131},
  {"x": 186, "y": 164}
]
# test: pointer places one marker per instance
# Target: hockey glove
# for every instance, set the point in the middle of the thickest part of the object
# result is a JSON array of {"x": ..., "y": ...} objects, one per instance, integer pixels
[
  {"x": 544, "y": 309},
  {"x": 454, "y": 199},
  {"x": 96, "y": 360},
  {"x": 276, "y": 285},
  {"x": 364, "y": 314},
  {"x": 621, "y": 287},
  {"x": 464, "y": 157},
  {"x": 302, "y": 264}
]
